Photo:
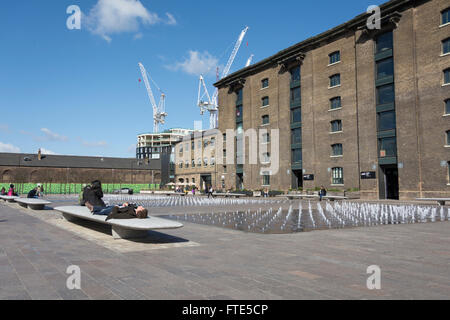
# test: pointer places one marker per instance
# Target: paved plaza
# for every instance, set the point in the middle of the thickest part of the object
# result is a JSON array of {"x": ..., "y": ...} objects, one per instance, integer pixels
[{"x": 207, "y": 262}]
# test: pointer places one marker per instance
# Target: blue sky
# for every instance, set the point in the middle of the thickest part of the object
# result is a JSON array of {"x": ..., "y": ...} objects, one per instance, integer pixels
[{"x": 77, "y": 92}]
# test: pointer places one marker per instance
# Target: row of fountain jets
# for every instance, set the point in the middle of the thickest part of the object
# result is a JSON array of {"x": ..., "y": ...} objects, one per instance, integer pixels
[{"x": 314, "y": 216}]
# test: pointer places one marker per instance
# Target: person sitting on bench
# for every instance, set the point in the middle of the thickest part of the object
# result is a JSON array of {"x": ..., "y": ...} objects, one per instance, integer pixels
[
  {"x": 125, "y": 211},
  {"x": 93, "y": 194},
  {"x": 33, "y": 194}
]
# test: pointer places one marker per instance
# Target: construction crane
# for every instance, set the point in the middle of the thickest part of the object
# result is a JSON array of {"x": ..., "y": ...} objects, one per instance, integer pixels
[
  {"x": 159, "y": 114},
  {"x": 249, "y": 61},
  {"x": 209, "y": 103}
]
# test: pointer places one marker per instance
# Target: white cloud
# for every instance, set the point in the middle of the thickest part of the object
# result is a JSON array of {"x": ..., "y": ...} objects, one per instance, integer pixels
[
  {"x": 53, "y": 136},
  {"x": 46, "y": 151},
  {"x": 197, "y": 63},
  {"x": 9, "y": 148},
  {"x": 109, "y": 17},
  {"x": 171, "y": 20}
]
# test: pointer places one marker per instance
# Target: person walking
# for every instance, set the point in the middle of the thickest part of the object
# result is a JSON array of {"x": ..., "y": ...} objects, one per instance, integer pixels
[{"x": 322, "y": 192}]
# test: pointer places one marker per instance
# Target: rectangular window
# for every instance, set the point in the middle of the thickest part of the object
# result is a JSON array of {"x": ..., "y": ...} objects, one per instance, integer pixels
[
  {"x": 448, "y": 138},
  {"x": 224, "y": 137},
  {"x": 384, "y": 42},
  {"x": 335, "y": 103},
  {"x": 337, "y": 176},
  {"x": 336, "y": 150},
  {"x": 295, "y": 74},
  {"x": 447, "y": 76},
  {"x": 266, "y": 157},
  {"x": 266, "y": 179},
  {"x": 296, "y": 95},
  {"x": 385, "y": 94},
  {"x": 385, "y": 68},
  {"x": 446, "y": 46},
  {"x": 225, "y": 169},
  {"x": 386, "y": 121},
  {"x": 264, "y": 83},
  {"x": 335, "y": 57},
  {"x": 388, "y": 147},
  {"x": 296, "y": 115},
  {"x": 265, "y": 119},
  {"x": 265, "y": 101},
  {"x": 297, "y": 156},
  {"x": 446, "y": 16},
  {"x": 296, "y": 136},
  {"x": 335, "y": 80},
  {"x": 447, "y": 106},
  {"x": 336, "y": 126},
  {"x": 193, "y": 145},
  {"x": 193, "y": 163},
  {"x": 266, "y": 138}
]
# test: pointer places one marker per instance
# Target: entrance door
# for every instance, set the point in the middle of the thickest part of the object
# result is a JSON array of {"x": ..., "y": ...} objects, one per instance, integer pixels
[
  {"x": 297, "y": 179},
  {"x": 239, "y": 181},
  {"x": 206, "y": 182},
  {"x": 389, "y": 187}
]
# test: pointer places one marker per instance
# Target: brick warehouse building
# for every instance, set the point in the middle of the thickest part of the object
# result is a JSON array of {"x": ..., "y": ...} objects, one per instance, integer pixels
[
  {"x": 356, "y": 108},
  {"x": 33, "y": 168}
]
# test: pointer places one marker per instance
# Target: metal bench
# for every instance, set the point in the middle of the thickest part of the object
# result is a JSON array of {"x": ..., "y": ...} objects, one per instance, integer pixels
[
  {"x": 9, "y": 198},
  {"x": 440, "y": 201},
  {"x": 121, "y": 228},
  {"x": 34, "y": 204}
]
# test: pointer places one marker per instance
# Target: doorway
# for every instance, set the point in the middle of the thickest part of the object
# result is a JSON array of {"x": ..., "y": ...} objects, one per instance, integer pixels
[
  {"x": 239, "y": 181},
  {"x": 389, "y": 187},
  {"x": 297, "y": 179}
]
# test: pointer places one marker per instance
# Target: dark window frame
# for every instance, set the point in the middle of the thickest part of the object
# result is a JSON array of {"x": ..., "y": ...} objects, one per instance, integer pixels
[
  {"x": 264, "y": 117},
  {"x": 446, "y": 46},
  {"x": 447, "y": 106},
  {"x": 447, "y": 76},
  {"x": 336, "y": 126},
  {"x": 337, "y": 150},
  {"x": 264, "y": 83},
  {"x": 337, "y": 176},
  {"x": 445, "y": 16},
  {"x": 334, "y": 57},
  {"x": 335, "y": 80},
  {"x": 333, "y": 105},
  {"x": 265, "y": 102}
]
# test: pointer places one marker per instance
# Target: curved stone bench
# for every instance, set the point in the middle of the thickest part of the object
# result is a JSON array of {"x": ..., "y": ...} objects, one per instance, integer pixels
[
  {"x": 9, "y": 198},
  {"x": 121, "y": 228},
  {"x": 34, "y": 204}
]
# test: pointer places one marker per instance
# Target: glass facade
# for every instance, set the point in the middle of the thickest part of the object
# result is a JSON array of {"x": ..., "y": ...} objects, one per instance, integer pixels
[
  {"x": 385, "y": 68},
  {"x": 384, "y": 42},
  {"x": 385, "y": 94},
  {"x": 296, "y": 121},
  {"x": 386, "y": 121}
]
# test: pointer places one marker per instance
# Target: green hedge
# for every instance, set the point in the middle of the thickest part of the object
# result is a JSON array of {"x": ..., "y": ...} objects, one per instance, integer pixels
[{"x": 75, "y": 188}]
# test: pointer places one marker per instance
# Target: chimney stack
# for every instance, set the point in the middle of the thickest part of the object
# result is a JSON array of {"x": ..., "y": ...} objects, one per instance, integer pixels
[{"x": 39, "y": 155}]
